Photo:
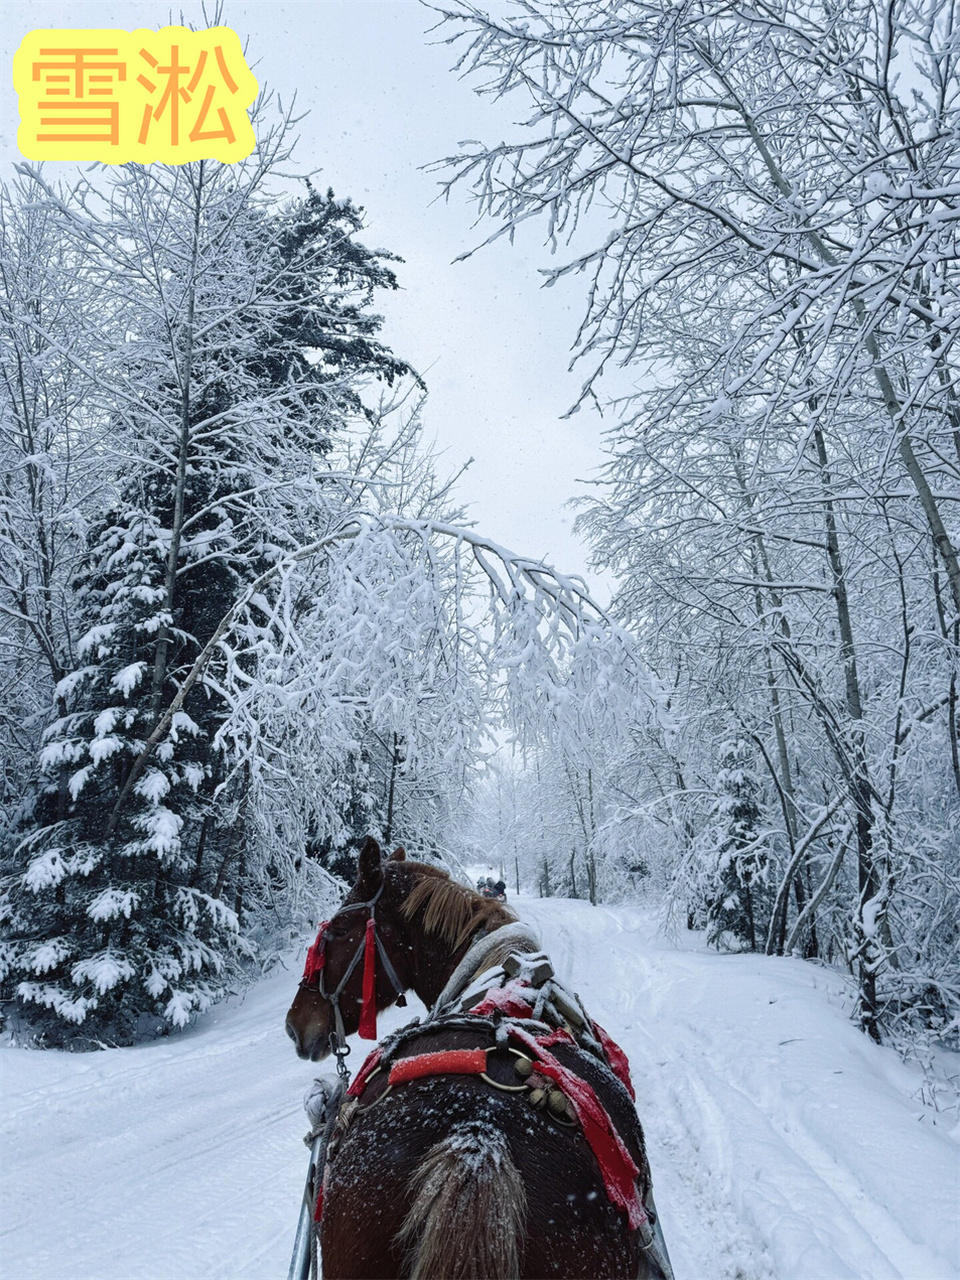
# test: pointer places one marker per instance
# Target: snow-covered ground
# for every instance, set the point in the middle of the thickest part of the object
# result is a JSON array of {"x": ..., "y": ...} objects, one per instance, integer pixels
[{"x": 784, "y": 1145}]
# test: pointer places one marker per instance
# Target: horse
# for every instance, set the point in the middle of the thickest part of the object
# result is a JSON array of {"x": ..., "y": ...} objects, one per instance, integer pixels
[{"x": 499, "y": 1137}]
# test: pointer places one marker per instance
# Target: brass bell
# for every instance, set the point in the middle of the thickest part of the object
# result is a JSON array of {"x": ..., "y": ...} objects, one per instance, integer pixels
[
  {"x": 536, "y": 1097},
  {"x": 523, "y": 1067},
  {"x": 557, "y": 1102}
]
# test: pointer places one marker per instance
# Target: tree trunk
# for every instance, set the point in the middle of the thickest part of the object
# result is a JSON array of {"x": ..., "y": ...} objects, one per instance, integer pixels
[
  {"x": 176, "y": 528},
  {"x": 396, "y": 760},
  {"x": 891, "y": 400},
  {"x": 241, "y": 878},
  {"x": 201, "y": 843},
  {"x": 861, "y": 791}
]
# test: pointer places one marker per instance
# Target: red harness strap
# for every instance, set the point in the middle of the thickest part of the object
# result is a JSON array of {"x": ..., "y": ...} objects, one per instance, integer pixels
[
  {"x": 559, "y": 1035},
  {"x": 509, "y": 1000},
  {"x": 365, "y": 1072},
  {"x": 616, "y": 1164},
  {"x": 619, "y": 1064},
  {"x": 449, "y": 1062},
  {"x": 368, "y": 1010},
  {"x": 317, "y": 955}
]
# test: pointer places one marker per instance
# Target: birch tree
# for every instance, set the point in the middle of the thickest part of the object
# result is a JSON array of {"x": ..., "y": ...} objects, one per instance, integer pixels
[{"x": 51, "y": 457}]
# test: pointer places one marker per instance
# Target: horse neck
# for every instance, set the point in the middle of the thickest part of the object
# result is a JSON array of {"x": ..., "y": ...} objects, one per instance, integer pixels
[
  {"x": 429, "y": 959},
  {"x": 433, "y": 962}
]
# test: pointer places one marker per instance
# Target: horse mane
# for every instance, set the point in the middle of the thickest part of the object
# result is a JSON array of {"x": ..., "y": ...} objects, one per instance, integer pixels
[{"x": 451, "y": 910}]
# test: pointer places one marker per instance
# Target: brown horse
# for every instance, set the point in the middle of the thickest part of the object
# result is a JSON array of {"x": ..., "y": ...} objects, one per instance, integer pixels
[{"x": 496, "y": 1140}]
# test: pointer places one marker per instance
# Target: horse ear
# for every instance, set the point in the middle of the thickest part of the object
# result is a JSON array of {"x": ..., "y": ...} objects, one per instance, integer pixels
[
  {"x": 399, "y": 855},
  {"x": 369, "y": 869}
]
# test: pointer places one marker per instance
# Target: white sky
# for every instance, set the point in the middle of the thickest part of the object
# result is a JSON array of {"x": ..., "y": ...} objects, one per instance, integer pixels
[{"x": 493, "y": 346}]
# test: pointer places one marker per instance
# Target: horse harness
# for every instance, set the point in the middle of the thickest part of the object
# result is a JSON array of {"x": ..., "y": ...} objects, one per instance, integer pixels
[
  {"x": 370, "y": 945},
  {"x": 529, "y": 1015}
]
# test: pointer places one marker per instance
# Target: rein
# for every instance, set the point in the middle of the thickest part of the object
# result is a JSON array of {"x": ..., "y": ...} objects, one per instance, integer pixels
[{"x": 369, "y": 946}]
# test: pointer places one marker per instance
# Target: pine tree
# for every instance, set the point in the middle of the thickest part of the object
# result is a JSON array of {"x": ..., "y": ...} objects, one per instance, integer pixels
[
  {"x": 736, "y": 883},
  {"x": 249, "y": 336}
]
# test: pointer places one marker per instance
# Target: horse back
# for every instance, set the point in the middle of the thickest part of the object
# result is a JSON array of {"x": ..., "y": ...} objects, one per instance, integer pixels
[{"x": 429, "y": 1177}]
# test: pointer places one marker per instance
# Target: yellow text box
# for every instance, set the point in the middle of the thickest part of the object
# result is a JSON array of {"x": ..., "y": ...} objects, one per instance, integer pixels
[{"x": 171, "y": 96}]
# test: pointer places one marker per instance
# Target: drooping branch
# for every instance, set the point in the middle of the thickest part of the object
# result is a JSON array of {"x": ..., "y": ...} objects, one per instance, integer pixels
[{"x": 564, "y": 596}]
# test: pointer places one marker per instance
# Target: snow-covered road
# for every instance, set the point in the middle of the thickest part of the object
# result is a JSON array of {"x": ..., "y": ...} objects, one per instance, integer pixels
[{"x": 784, "y": 1145}]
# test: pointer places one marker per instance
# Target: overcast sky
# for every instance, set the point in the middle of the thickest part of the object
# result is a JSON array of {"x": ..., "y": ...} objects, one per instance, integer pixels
[{"x": 382, "y": 102}]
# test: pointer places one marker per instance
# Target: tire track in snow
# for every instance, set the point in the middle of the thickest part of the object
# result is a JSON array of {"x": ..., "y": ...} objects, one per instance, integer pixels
[
  {"x": 704, "y": 1232},
  {"x": 826, "y": 1189},
  {"x": 907, "y": 1258},
  {"x": 750, "y": 1179}
]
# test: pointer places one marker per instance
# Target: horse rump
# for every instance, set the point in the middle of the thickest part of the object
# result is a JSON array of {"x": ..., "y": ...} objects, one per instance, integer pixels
[{"x": 467, "y": 1216}]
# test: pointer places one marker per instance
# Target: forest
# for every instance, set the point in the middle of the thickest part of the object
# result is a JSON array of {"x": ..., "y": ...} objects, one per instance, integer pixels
[{"x": 245, "y": 618}]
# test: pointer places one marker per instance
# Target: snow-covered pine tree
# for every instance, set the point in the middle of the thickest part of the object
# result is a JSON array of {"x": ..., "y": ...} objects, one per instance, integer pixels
[
  {"x": 112, "y": 934},
  {"x": 247, "y": 334},
  {"x": 734, "y": 895},
  {"x": 355, "y": 801}
]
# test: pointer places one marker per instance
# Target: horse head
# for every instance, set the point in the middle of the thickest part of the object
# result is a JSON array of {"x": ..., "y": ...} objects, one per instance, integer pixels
[{"x": 356, "y": 966}]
